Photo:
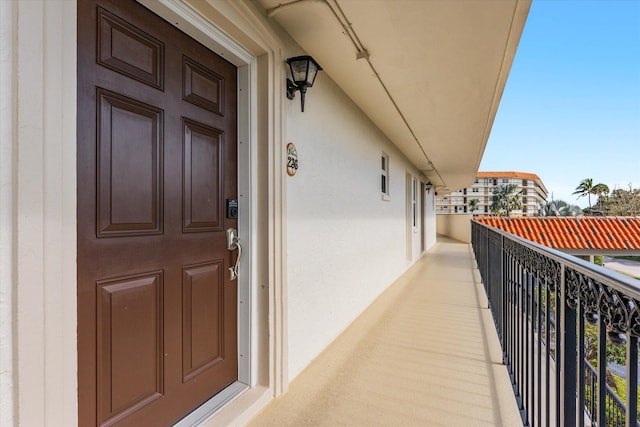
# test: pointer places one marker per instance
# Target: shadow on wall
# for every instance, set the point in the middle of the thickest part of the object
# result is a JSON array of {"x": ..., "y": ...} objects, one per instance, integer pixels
[{"x": 457, "y": 226}]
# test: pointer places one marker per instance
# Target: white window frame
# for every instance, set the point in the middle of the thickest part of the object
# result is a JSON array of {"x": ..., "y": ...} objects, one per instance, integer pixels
[
  {"x": 414, "y": 203},
  {"x": 384, "y": 177}
]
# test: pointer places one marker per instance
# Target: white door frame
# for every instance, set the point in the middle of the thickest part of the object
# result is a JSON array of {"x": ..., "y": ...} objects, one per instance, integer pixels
[
  {"x": 260, "y": 74},
  {"x": 41, "y": 122}
]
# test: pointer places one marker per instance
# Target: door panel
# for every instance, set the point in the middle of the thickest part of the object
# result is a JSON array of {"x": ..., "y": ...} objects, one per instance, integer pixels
[
  {"x": 202, "y": 86},
  {"x": 129, "y": 335},
  {"x": 203, "y": 328},
  {"x": 157, "y": 158},
  {"x": 203, "y": 176},
  {"x": 128, "y": 50},
  {"x": 129, "y": 146}
]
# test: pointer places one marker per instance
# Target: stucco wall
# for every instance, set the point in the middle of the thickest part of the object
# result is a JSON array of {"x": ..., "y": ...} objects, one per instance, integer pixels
[
  {"x": 7, "y": 164},
  {"x": 431, "y": 225},
  {"x": 455, "y": 226},
  {"x": 37, "y": 198},
  {"x": 345, "y": 244}
]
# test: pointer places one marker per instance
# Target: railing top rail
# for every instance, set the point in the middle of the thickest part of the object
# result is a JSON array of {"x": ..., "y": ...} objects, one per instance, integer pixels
[{"x": 615, "y": 280}]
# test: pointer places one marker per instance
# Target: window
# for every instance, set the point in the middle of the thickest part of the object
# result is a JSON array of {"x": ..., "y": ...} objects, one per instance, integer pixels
[
  {"x": 414, "y": 202},
  {"x": 384, "y": 176},
  {"x": 505, "y": 181},
  {"x": 474, "y": 190},
  {"x": 476, "y": 181}
]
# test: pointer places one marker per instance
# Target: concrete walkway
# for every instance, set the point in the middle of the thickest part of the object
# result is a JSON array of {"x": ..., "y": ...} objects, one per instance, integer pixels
[{"x": 425, "y": 353}]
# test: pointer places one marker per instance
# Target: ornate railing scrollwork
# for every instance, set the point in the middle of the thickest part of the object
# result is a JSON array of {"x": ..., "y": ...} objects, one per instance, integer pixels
[
  {"x": 551, "y": 271},
  {"x": 572, "y": 284},
  {"x": 509, "y": 247},
  {"x": 589, "y": 291},
  {"x": 634, "y": 319},
  {"x": 495, "y": 237},
  {"x": 615, "y": 312},
  {"x": 620, "y": 313}
]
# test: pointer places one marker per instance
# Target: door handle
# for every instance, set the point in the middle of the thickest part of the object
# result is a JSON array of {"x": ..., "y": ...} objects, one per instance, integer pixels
[{"x": 233, "y": 243}]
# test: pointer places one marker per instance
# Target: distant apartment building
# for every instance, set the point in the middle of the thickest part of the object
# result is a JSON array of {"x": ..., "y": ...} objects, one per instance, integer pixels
[{"x": 533, "y": 193}]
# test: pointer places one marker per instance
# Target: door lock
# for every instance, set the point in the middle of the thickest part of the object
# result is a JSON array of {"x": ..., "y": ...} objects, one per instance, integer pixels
[{"x": 233, "y": 243}]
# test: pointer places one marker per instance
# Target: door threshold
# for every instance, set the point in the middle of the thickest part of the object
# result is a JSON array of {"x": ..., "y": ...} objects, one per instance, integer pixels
[{"x": 211, "y": 406}]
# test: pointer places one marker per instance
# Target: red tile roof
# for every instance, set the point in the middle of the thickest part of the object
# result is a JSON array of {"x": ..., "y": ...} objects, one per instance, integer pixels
[
  {"x": 573, "y": 232},
  {"x": 520, "y": 175}
]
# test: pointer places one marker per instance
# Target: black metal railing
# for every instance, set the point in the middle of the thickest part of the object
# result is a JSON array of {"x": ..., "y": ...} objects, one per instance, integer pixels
[
  {"x": 615, "y": 407},
  {"x": 559, "y": 320}
]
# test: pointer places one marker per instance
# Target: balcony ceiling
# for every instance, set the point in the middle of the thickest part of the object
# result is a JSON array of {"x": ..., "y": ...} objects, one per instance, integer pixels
[{"x": 429, "y": 74}]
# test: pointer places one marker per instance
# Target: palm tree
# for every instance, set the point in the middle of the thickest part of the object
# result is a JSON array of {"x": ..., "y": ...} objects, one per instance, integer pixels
[
  {"x": 550, "y": 208},
  {"x": 558, "y": 208},
  {"x": 473, "y": 205},
  {"x": 506, "y": 198},
  {"x": 570, "y": 210},
  {"x": 587, "y": 188}
]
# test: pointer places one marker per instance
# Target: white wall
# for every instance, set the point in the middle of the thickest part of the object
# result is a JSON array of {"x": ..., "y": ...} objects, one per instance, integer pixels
[
  {"x": 345, "y": 244},
  {"x": 431, "y": 226},
  {"x": 38, "y": 212},
  {"x": 7, "y": 168},
  {"x": 455, "y": 226}
]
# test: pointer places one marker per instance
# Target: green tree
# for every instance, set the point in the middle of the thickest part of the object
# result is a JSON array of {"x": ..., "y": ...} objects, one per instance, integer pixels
[
  {"x": 587, "y": 188},
  {"x": 506, "y": 198},
  {"x": 473, "y": 205},
  {"x": 550, "y": 208},
  {"x": 620, "y": 202},
  {"x": 570, "y": 210},
  {"x": 558, "y": 208}
]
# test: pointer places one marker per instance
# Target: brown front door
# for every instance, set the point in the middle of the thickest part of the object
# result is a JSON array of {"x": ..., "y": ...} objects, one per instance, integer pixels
[{"x": 157, "y": 327}]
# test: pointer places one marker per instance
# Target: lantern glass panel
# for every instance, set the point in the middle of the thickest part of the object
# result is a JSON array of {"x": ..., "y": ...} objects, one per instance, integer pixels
[
  {"x": 313, "y": 71},
  {"x": 299, "y": 70}
]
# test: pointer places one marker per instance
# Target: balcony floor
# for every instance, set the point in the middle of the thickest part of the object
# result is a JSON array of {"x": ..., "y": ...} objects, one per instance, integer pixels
[{"x": 425, "y": 353}]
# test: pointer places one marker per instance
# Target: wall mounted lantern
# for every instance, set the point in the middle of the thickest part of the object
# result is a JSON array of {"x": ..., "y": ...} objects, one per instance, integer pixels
[
  {"x": 303, "y": 71},
  {"x": 428, "y": 186}
]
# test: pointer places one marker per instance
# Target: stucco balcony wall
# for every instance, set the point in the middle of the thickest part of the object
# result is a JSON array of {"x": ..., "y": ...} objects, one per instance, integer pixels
[
  {"x": 455, "y": 226},
  {"x": 424, "y": 353}
]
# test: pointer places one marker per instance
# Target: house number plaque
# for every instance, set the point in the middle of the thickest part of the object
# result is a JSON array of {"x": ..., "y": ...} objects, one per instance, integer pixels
[{"x": 292, "y": 159}]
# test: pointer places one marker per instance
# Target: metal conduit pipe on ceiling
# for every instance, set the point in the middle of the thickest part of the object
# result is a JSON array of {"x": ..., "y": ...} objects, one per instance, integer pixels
[{"x": 361, "y": 53}]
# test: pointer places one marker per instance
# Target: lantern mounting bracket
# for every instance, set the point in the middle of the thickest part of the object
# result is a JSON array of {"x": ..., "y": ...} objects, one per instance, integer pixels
[{"x": 291, "y": 89}]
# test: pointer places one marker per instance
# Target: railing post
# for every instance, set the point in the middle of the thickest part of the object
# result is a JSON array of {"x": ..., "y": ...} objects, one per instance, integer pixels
[
  {"x": 486, "y": 268},
  {"x": 505, "y": 298},
  {"x": 602, "y": 373},
  {"x": 538, "y": 328},
  {"x": 558, "y": 343},
  {"x": 632, "y": 381},
  {"x": 568, "y": 358},
  {"x": 547, "y": 365},
  {"x": 581, "y": 366}
]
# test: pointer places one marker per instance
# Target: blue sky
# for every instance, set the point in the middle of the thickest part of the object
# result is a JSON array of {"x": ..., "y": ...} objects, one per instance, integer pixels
[{"x": 571, "y": 106}]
